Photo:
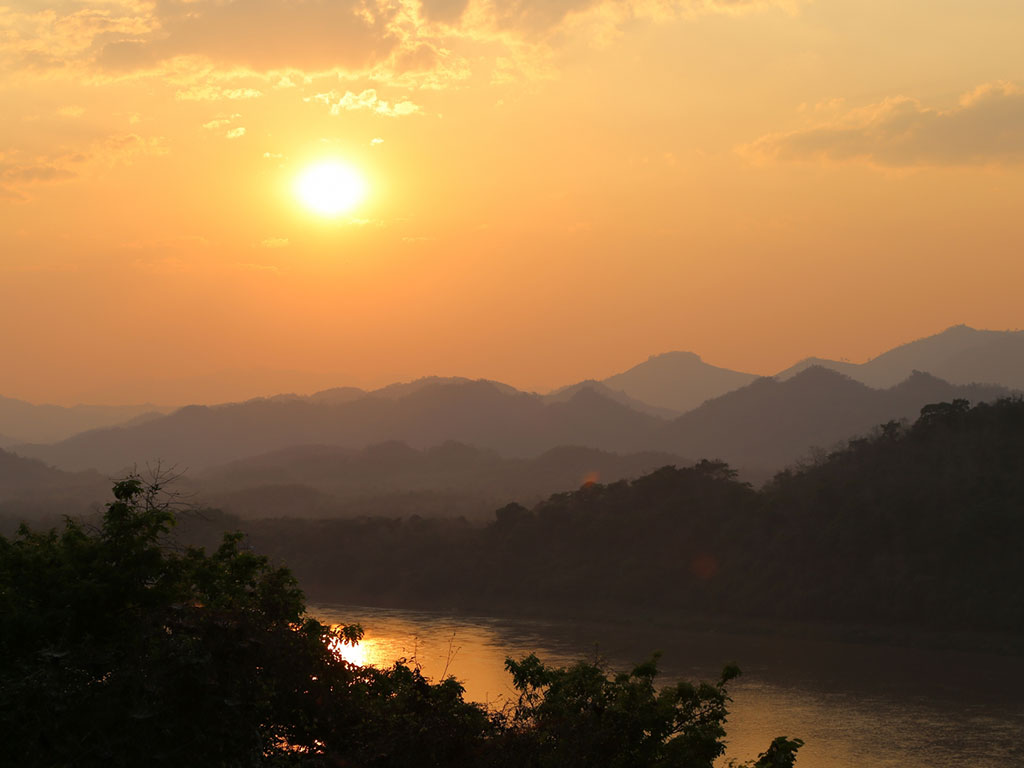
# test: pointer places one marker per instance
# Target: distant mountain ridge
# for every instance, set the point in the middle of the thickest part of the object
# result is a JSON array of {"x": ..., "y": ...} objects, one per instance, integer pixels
[
  {"x": 759, "y": 428},
  {"x": 960, "y": 355},
  {"x": 666, "y": 385},
  {"x": 678, "y": 381},
  {"x": 772, "y": 423},
  {"x": 478, "y": 413},
  {"x": 22, "y": 422},
  {"x": 567, "y": 393},
  {"x": 757, "y": 424}
]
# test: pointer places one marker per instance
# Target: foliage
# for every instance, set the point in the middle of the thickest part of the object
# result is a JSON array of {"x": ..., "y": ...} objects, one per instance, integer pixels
[
  {"x": 917, "y": 524},
  {"x": 579, "y": 716},
  {"x": 118, "y": 649},
  {"x": 781, "y": 753}
]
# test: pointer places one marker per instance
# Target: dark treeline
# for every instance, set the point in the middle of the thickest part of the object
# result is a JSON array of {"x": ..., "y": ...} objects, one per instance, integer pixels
[
  {"x": 917, "y": 523},
  {"x": 397, "y": 480}
]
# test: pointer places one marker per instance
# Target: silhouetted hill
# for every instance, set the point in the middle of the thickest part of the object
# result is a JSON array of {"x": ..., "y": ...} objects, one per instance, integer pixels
[
  {"x": 450, "y": 479},
  {"x": 567, "y": 393},
  {"x": 959, "y": 355},
  {"x": 760, "y": 428},
  {"x": 478, "y": 413},
  {"x": 30, "y": 490},
  {"x": 405, "y": 388},
  {"x": 911, "y": 525},
  {"x": 678, "y": 381},
  {"x": 23, "y": 422},
  {"x": 770, "y": 424},
  {"x": 337, "y": 395}
]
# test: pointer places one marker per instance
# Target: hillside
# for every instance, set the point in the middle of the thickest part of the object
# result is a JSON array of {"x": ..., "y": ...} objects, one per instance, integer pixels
[
  {"x": 31, "y": 490},
  {"x": 771, "y": 424},
  {"x": 394, "y": 479},
  {"x": 914, "y": 525}
]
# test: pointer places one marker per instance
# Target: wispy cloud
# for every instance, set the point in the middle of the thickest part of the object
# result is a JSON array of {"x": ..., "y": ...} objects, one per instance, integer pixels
[
  {"x": 21, "y": 173},
  {"x": 986, "y": 127},
  {"x": 62, "y": 33},
  {"x": 208, "y": 92},
  {"x": 219, "y": 122},
  {"x": 18, "y": 172},
  {"x": 225, "y": 121},
  {"x": 397, "y": 38},
  {"x": 365, "y": 100},
  {"x": 260, "y": 35}
]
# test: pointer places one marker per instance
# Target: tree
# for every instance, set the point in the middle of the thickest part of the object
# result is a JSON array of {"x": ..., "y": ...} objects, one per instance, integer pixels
[
  {"x": 118, "y": 648},
  {"x": 581, "y": 716}
]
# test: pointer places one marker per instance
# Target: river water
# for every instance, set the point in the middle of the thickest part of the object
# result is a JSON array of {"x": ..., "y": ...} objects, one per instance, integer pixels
[{"x": 856, "y": 702}]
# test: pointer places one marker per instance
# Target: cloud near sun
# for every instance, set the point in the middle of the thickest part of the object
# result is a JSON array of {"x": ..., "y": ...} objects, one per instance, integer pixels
[
  {"x": 259, "y": 36},
  {"x": 231, "y": 51},
  {"x": 986, "y": 127}
]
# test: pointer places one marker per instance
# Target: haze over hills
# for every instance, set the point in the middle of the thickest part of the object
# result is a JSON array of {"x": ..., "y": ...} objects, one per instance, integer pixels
[
  {"x": 665, "y": 385},
  {"x": 759, "y": 428},
  {"x": 477, "y": 413},
  {"x": 395, "y": 479},
  {"x": 758, "y": 425},
  {"x": 678, "y": 381},
  {"x": 919, "y": 524},
  {"x": 567, "y": 393},
  {"x": 22, "y": 422},
  {"x": 770, "y": 424},
  {"x": 959, "y": 355},
  {"x": 31, "y": 490}
]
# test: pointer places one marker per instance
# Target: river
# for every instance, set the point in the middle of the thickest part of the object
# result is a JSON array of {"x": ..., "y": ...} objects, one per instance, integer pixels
[{"x": 857, "y": 702}]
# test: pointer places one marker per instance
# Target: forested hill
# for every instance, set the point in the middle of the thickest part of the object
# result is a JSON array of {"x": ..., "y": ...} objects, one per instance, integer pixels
[
  {"x": 29, "y": 489},
  {"x": 920, "y": 524}
]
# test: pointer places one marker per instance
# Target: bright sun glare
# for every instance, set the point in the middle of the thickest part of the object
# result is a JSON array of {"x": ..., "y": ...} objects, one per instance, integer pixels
[
  {"x": 353, "y": 653},
  {"x": 330, "y": 188}
]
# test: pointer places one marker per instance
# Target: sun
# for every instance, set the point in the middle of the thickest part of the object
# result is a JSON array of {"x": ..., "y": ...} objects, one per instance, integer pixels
[{"x": 330, "y": 188}]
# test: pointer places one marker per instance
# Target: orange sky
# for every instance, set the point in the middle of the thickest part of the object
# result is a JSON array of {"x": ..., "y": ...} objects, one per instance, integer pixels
[{"x": 557, "y": 188}]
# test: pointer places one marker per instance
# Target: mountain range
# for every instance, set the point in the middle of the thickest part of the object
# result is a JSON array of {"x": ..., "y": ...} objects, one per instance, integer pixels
[
  {"x": 760, "y": 427},
  {"x": 770, "y": 424},
  {"x": 959, "y": 355},
  {"x": 477, "y": 413},
  {"x": 674, "y": 404}
]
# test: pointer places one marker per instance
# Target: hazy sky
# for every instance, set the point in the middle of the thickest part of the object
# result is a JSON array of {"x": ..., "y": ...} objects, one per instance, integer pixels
[{"x": 556, "y": 188}]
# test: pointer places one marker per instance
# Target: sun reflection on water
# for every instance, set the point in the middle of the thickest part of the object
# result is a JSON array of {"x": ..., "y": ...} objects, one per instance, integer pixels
[
  {"x": 835, "y": 695},
  {"x": 359, "y": 653}
]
